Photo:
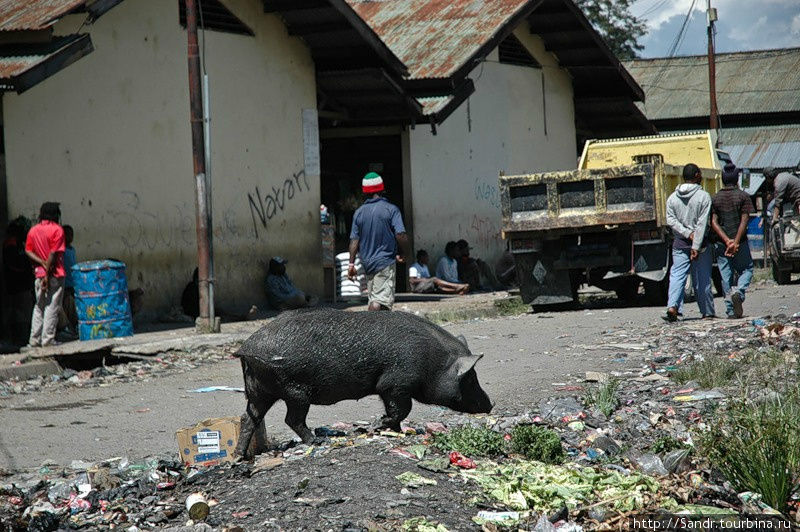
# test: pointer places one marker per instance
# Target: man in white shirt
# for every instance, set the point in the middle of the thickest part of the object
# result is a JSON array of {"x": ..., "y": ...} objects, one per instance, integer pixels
[{"x": 421, "y": 282}]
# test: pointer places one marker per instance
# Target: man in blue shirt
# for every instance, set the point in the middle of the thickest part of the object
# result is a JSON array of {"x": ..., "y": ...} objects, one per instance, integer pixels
[{"x": 377, "y": 232}]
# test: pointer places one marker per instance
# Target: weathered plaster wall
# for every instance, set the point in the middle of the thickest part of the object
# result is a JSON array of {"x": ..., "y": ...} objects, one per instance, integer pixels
[
  {"x": 502, "y": 127},
  {"x": 109, "y": 138}
]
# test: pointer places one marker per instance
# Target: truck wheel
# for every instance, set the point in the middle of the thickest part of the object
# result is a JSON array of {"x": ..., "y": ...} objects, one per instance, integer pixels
[
  {"x": 656, "y": 292},
  {"x": 780, "y": 276},
  {"x": 627, "y": 290}
]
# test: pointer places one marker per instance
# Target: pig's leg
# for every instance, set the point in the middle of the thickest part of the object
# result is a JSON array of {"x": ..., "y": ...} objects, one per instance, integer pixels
[
  {"x": 397, "y": 409},
  {"x": 251, "y": 419},
  {"x": 296, "y": 412}
]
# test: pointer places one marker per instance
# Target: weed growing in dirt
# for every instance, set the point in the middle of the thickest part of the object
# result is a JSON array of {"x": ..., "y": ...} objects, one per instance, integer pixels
[
  {"x": 756, "y": 446},
  {"x": 711, "y": 372},
  {"x": 471, "y": 441},
  {"x": 666, "y": 444},
  {"x": 537, "y": 443},
  {"x": 604, "y": 397}
]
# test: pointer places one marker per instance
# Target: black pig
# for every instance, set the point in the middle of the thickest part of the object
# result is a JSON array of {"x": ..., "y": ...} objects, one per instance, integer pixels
[{"x": 322, "y": 357}]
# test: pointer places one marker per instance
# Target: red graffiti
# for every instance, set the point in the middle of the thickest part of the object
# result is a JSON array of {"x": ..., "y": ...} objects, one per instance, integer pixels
[{"x": 485, "y": 230}]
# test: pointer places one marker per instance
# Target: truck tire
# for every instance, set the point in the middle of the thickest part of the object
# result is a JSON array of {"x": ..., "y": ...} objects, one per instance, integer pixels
[
  {"x": 780, "y": 276},
  {"x": 657, "y": 292},
  {"x": 628, "y": 289}
]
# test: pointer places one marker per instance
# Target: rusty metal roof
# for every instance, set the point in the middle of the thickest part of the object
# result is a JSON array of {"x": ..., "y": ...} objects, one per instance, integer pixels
[
  {"x": 766, "y": 81},
  {"x": 759, "y": 147},
  {"x": 436, "y": 38},
  {"x": 18, "y": 15},
  {"x": 23, "y": 66}
]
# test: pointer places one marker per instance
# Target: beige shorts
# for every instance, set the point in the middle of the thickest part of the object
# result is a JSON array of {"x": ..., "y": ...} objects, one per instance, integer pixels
[{"x": 380, "y": 286}]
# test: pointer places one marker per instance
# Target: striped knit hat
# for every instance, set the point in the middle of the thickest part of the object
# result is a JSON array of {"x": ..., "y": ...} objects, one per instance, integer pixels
[{"x": 372, "y": 183}]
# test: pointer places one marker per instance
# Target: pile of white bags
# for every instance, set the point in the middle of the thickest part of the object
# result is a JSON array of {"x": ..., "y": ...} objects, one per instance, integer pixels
[{"x": 345, "y": 288}]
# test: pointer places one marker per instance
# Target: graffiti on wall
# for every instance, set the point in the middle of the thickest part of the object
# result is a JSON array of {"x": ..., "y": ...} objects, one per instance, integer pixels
[
  {"x": 265, "y": 206},
  {"x": 484, "y": 230},
  {"x": 141, "y": 229},
  {"x": 487, "y": 192}
]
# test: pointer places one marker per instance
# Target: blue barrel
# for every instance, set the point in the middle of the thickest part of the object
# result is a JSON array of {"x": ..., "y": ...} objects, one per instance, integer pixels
[
  {"x": 101, "y": 299},
  {"x": 755, "y": 235}
]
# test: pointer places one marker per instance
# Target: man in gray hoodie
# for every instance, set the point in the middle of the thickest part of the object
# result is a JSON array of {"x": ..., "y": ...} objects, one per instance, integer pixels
[{"x": 688, "y": 211}]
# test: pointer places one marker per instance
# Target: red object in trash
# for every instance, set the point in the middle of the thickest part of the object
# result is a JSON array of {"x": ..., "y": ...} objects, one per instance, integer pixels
[{"x": 458, "y": 459}]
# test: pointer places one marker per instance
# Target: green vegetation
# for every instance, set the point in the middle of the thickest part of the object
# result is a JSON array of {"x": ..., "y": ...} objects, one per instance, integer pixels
[
  {"x": 756, "y": 446},
  {"x": 711, "y": 372},
  {"x": 604, "y": 397},
  {"x": 666, "y": 444},
  {"x": 537, "y": 443},
  {"x": 471, "y": 441}
]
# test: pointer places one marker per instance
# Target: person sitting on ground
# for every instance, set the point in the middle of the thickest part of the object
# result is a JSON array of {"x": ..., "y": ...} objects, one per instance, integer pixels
[
  {"x": 506, "y": 268},
  {"x": 421, "y": 282},
  {"x": 190, "y": 299},
  {"x": 281, "y": 291},
  {"x": 447, "y": 268},
  {"x": 471, "y": 269}
]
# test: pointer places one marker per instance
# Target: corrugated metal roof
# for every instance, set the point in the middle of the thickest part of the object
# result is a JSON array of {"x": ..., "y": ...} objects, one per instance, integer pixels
[
  {"x": 434, "y": 38},
  {"x": 17, "y": 15},
  {"x": 434, "y": 104},
  {"x": 17, "y": 64},
  {"x": 762, "y": 81},
  {"x": 759, "y": 147}
]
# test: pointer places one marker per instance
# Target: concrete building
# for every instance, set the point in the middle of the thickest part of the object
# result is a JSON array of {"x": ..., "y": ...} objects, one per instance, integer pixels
[{"x": 306, "y": 96}]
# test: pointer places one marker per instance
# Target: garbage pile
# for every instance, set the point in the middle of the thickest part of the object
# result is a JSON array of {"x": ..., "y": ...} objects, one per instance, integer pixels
[
  {"x": 621, "y": 443},
  {"x": 138, "y": 369}
]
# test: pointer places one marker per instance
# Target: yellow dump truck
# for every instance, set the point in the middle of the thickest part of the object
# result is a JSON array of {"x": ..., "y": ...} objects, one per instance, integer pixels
[{"x": 603, "y": 224}]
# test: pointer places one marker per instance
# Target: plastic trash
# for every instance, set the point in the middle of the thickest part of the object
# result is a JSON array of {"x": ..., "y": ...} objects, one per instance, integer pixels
[
  {"x": 497, "y": 517},
  {"x": 700, "y": 396},
  {"x": 758, "y": 322},
  {"x": 459, "y": 460},
  {"x": 217, "y": 389},
  {"x": 325, "y": 432},
  {"x": 651, "y": 464}
]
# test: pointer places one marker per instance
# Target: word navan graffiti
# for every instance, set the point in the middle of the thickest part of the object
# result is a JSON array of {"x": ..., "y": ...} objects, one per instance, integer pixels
[{"x": 264, "y": 208}]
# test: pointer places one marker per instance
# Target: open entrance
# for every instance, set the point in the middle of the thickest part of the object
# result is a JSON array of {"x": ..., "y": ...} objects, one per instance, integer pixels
[{"x": 344, "y": 161}]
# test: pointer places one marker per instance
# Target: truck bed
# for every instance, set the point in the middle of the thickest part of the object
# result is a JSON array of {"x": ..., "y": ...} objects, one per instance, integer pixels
[{"x": 578, "y": 198}]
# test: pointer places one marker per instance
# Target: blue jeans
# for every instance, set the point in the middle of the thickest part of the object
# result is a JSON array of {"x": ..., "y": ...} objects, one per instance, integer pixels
[
  {"x": 701, "y": 279},
  {"x": 740, "y": 264}
]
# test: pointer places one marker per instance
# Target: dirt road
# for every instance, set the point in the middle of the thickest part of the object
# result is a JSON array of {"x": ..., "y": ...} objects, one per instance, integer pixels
[{"x": 524, "y": 357}]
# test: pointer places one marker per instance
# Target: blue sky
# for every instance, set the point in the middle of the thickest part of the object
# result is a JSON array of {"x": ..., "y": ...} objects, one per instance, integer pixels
[{"x": 742, "y": 25}]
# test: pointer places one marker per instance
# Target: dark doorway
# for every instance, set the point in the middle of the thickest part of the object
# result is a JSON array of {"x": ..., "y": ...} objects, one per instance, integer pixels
[{"x": 344, "y": 162}]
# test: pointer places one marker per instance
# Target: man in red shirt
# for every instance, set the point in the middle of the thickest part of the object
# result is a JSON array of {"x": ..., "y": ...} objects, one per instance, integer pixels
[{"x": 45, "y": 247}]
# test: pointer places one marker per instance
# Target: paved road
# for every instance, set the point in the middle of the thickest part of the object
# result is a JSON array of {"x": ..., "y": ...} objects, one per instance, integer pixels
[{"x": 524, "y": 356}]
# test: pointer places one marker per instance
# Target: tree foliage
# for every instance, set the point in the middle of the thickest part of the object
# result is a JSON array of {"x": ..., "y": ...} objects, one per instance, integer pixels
[{"x": 614, "y": 21}]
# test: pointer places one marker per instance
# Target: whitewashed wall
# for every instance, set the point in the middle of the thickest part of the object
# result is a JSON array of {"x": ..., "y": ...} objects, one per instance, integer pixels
[
  {"x": 109, "y": 138},
  {"x": 502, "y": 127}
]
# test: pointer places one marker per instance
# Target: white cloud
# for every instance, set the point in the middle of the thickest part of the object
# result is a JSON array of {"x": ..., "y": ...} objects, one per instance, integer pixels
[{"x": 796, "y": 25}]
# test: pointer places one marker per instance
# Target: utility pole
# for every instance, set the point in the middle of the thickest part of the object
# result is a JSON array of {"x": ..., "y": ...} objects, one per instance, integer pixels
[
  {"x": 711, "y": 15},
  {"x": 199, "y": 163}
]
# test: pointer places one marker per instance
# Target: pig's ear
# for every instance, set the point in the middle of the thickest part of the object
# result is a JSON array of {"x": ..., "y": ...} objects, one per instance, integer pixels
[
  {"x": 461, "y": 339},
  {"x": 466, "y": 363}
]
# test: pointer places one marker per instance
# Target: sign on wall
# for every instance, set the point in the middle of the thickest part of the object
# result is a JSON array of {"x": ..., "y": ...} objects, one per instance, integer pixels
[{"x": 311, "y": 142}]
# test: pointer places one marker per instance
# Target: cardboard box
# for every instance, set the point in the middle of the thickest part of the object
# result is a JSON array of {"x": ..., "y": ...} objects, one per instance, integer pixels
[{"x": 210, "y": 442}]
